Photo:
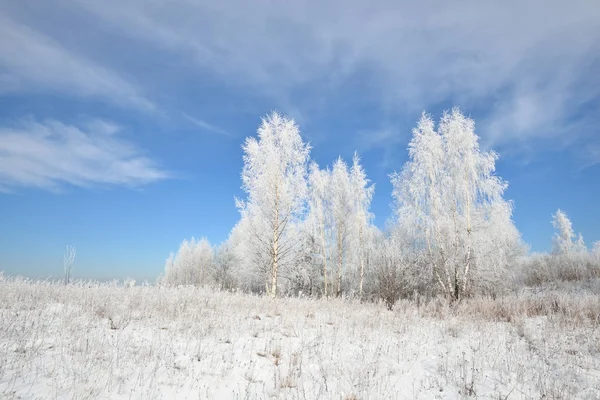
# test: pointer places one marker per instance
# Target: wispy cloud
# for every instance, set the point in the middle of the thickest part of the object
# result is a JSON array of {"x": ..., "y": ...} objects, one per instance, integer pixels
[
  {"x": 205, "y": 125},
  {"x": 31, "y": 61},
  {"x": 49, "y": 154},
  {"x": 526, "y": 67},
  {"x": 591, "y": 155},
  {"x": 387, "y": 141},
  {"x": 376, "y": 139},
  {"x": 532, "y": 55}
]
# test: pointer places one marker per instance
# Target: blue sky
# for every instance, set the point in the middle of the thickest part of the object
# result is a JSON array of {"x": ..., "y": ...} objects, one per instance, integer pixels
[{"x": 121, "y": 122}]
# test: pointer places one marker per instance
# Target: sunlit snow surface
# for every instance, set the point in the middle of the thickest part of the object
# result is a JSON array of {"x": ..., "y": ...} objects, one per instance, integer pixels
[{"x": 91, "y": 341}]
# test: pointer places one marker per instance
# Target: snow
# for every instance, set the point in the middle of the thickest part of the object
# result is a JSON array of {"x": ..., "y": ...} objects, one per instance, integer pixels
[{"x": 109, "y": 341}]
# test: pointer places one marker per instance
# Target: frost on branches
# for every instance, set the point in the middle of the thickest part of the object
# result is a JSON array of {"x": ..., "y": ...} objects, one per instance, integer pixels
[
  {"x": 339, "y": 224},
  {"x": 362, "y": 218},
  {"x": 308, "y": 230},
  {"x": 563, "y": 242},
  {"x": 570, "y": 259},
  {"x": 450, "y": 204},
  {"x": 341, "y": 207},
  {"x": 302, "y": 229},
  {"x": 192, "y": 265},
  {"x": 318, "y": 221},
  {"x": 274, "y": 179}
]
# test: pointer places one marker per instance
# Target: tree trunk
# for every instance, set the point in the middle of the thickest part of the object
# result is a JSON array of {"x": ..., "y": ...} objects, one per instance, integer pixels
[
  {"x": 324, "y": 259},
  {"x": 453, "y": 281},
  {"x": 468, "y": 256},
  {"x": 362, "y": 260},
  {"x": 275, "y": 254},
  {"x": 340, "y": 262}
]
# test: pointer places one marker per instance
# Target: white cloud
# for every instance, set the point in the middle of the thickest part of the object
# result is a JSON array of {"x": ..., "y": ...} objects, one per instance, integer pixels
[
  {"x": 206, "y": 126},
  {"x": 527, "y": 66},
  {"x": 531, "y": 53},
  {"x": 591, "y": 155},
  {"x": 48, "y": 154},
  {"x": 31, "y": 61}
]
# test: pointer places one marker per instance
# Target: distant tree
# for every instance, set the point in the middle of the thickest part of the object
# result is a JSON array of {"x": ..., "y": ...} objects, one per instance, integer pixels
[
  {"x": 595, "y": 258},
  {"x": 68, "y": 260},
  {"x": 563, "y": 240},
  {"x": 191, "y": 265},
  {"x": 451, "y": 203},
  {"x": 596, "y": 251},
  {"x": 224, "y": 267},
  {"x": 129, "y": 283},
  {"x": 570, "y": 259},
  {"x": 274, "y": 179}
]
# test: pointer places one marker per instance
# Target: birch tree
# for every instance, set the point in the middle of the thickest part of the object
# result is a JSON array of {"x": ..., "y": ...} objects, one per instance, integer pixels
[
  {"x": 68, "y": 260},
  {"x": 418, "y": 200},
  {"x": 340, "y": 222},
  {"x": 318, "y": 219},
  {"x": 342, "y": 208},
  {"x": 251, "y": 264},
  {"x": 563, "y": 241},
  {"x": 596, "y": 252},
  {"x": 274, "y": 179},
  {"x": 570, "y": 257},
  {"x": 363, "y": 194},
  {"x": 450, "y": 200}
]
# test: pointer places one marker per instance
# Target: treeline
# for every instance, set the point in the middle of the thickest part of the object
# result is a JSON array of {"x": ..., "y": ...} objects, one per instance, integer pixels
[{"x": 307, "y": 230}]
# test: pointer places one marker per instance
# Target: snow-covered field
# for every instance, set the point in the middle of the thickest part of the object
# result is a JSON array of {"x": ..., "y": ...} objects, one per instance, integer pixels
[{"x": 109, "y": 341}]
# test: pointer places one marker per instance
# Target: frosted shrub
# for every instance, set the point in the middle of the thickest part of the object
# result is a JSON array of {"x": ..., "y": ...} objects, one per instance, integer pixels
[{"x": 540, "y": 269}]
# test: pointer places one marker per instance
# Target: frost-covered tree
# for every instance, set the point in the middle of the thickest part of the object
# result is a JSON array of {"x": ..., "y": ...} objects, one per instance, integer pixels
[
  {"x": 595, "y": 256},
  {"x": 225, "y": 262},
  {"x": 570, "y": 259},
  {"x": 596, "y": 251},
  {"x": 68, "y": 260},
  {"x": 373, "y": 238},
  {"x": 389, "y": 271},
  {"x": 319, "y": 217},
  {"x": 563, "y": 242},
  {"x": 191, "y": 265},
  {"x": 362, "y": 195},
  {"x": 339, "y": 224},
  {"x": 450, "y": 202},
  {"x": 342, "y": 208},
  {"x": 274, "y": 179},
  {"x": 252, "y": 262},
  {"x": 303, "y": 275}
]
